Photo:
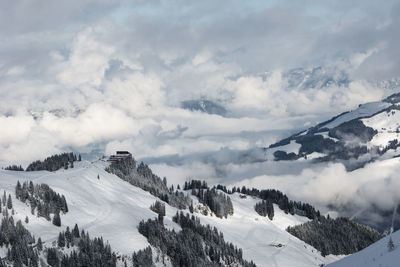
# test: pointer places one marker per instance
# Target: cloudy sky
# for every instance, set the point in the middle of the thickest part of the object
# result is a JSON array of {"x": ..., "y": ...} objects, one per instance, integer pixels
[
  {"x": 93, "y": 76},
  {"x": 101, "y": 75}
]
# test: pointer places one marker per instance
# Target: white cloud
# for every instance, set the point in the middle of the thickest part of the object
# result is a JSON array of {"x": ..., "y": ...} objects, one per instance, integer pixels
[
  {"x": 87, "y": 61},
  {"x": 178, "y": 175},
  {"x": 138, "y": 94},
  {"x": 201, "y": 58},
  {"x": 15, "y": 129},
  {"x": 97, "y": 123},
  {"x": 376, "y": 185}
]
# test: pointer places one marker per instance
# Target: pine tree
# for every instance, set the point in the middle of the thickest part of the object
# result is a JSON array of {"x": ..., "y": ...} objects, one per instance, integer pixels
[
  {"x": 64, "y": 204},
  {"x": 79, "y": 157},
  {"x": 39, "y": 244},
  {"x": 31, "y": 187},
  {"x": 9, "y": 202},
  {"x": 18, "y": 190},
  {"x": 191, "y": 209},
  {"x": 57, "y": 219},
  {"x": 4, "y": 198},
  {"x": 68, "y": 236},
  {"x": 26, "y": 219},
  {"x": 52, "y": 257},
  {"x": 390, "y": 244},
  {"x": 61, "y": 240},
  {"x": 75, "y": 231},
  {"x": 161, "y": 219}
]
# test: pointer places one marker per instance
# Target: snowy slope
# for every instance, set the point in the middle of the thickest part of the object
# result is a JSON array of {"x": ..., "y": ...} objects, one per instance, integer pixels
[
  {"x": 375, "y": 255},
  {"x": 112, "y": 208},
  {"x": 364, "y": 110},
  {"x": 259, "y": 237},
  {"x": 106, "y": 206},
  {"x": 387, "y": 124}
]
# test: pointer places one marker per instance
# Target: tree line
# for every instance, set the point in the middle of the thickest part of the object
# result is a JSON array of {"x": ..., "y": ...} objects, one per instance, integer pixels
[
  {"x": 218, "y": 202},
  {"x": 18, "y": 242},
  {"x": 22, "y": 249},
  {"x": 268, "y": 197},
  {"x": 87, "y": 251},
  {"x": 143, "y": 177},
  {"x": 265, "y": 208},
  {"x": 55, "y": 162},
  {"x": 276, "y": 197},
  {"x": 195, "y": 245},
  {"x": 339, "y": 236},
  {"x": 42, "y": 197},
  {"x": 14, "y": 168}
]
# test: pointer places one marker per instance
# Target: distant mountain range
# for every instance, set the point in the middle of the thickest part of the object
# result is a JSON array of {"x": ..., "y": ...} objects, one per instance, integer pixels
[{"x": 317, "y": 77}]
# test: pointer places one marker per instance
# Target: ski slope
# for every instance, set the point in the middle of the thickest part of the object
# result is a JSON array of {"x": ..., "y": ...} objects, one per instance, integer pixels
[
  {"x": 112, "y": 208},
  {"x": 375, "y": 255},
  {"x": 107, "y": 206}
]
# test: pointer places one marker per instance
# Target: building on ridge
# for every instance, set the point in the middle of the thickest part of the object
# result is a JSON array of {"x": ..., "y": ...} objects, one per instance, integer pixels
[{"x": 120, "y": 155}]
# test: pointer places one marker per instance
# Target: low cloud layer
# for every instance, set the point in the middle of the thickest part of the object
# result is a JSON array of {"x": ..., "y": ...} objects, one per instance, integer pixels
[{"x": 371, "y": 192}]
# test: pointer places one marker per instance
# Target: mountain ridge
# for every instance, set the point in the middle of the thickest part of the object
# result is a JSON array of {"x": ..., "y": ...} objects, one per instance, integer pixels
[{"x": 348, "y": 136}]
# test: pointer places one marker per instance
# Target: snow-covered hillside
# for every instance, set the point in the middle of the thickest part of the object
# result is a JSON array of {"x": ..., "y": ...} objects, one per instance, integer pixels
[
  {"x": 364, "y": 110},
  {"x": 261, "y": 238},
  {"x": 387, "y": 125},
  {"x": 112, "y": 208},
  {"x": 378, "y": 254},
  {"x": 362, "y": 135},
  {"x": 107, "y": 206}
]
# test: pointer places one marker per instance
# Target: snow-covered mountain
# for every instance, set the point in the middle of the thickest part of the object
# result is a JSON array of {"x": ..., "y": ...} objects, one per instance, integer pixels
[
  {"x": 316, "y": 77},
  {"x": 354, "y": 138},
  {"x": 204, "y": 105},
  {"x": 104, "y": 205}
]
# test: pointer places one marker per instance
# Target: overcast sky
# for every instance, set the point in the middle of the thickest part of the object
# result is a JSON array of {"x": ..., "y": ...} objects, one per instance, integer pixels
[
  {"x": 101, "y": 75},
  {"x": 111, "y": 74}
]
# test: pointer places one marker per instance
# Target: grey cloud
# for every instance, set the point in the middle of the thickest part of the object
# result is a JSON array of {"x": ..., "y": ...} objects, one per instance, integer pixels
[{"x": 24, "y": 16}]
